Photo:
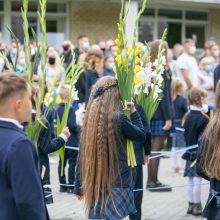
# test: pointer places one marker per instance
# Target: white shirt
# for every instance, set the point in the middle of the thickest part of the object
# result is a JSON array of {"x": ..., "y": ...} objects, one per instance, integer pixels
[
  {"x": 13, "y": 121},
  {"x": 188, "y": 63}
]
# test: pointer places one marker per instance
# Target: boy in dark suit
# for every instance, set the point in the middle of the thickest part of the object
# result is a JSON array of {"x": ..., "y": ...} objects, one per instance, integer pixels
[{"x": 20, "y": 186}]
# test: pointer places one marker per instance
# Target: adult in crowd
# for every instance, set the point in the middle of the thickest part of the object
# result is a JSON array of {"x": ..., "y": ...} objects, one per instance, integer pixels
[
  {"x": 215, "y": 53},
  {"x": 54, "y": 71},
  {"x": 205, "y": 78},
  {"x": 67, "y": 53},
  {"x": 83, "y": 46},
  {"x": 216, "y": 75},
  {"x": 108, "y": 66},
  {"x": 20, "y": 184},
  {"x": 161, "y": 122},
  {"x": 187, "y": 67}
]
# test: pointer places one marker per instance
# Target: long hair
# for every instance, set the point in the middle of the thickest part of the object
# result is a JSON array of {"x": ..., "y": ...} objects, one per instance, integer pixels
[
  {"x": 176, "y": 84},
  {"x": 98, "y": 152},
  {"x": 210, "y": 155},
  {"x": 154, "y": 46}
]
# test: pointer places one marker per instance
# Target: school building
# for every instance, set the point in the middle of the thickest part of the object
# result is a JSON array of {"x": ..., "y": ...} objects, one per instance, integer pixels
[{"x": 67, "y": 19}]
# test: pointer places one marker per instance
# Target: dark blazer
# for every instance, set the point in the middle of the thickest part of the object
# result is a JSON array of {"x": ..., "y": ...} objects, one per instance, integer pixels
[
  {"x": 81, "y": 87},
  {"x": 20, "y": 186},
  {"x": 124, "y": 129},
  {"x": 71, "y": 123},
  {"x": 141, "y": 149},
  {"x": 165, "y": 108},
  {"x": 216, "y": 75},
  {"x": 91, "y": 78},
  {"x": 211, "y": 211},
  {"x": 46, "y": 145}
]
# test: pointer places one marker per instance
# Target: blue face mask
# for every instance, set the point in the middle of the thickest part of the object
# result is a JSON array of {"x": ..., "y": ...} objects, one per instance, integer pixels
[
  {"x": 114, "y": 54},
  {"x": 14, "y": 51},
  {"x": 86, "y": 46},
  {"x": 110, "y": 66},
  {"x": 144, "y": 49},
  {"x": 209, "y": 68},
  {"x": 22, "y": 62}
]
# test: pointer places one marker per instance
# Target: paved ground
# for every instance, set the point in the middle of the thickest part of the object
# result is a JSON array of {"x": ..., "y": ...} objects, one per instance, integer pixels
[{"x": 156, "y": 206}]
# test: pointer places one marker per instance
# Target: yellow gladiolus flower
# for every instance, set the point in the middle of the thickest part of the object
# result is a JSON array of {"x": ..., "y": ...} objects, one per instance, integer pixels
[
  {"x": 117, "y": 42},
  {"x": 137, "y": 69},
  {"x": 137, "y": 60},
  {"x": 130, "y": 51},
  {"x": 118, "y": 59},
  {"x": 137, "y": 80},
  {"x": 58, "y": 100},
  {"x": 114, "y": 69}
]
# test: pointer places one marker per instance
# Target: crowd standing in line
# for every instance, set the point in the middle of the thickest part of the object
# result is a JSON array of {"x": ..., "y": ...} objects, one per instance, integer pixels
[{"x": 101, "y": 175}]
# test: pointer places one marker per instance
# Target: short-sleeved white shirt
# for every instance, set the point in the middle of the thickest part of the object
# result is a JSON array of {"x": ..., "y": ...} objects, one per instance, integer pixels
[{"x": 189, "y": 63}]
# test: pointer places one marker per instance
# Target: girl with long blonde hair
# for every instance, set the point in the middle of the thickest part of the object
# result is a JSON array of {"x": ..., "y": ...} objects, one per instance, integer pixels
[
  {"x": 103, "y": 177},
  {"x": 208, "y": 161}
]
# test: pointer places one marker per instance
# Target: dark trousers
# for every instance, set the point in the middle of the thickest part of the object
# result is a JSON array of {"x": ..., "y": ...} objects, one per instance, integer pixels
[
  {"x": 71, "y": 158},
  {"x": 137, "y": 173}
]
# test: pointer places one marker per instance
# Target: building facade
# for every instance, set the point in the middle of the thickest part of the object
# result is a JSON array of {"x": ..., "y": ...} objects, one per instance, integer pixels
[{"x": 68, "y": 19}]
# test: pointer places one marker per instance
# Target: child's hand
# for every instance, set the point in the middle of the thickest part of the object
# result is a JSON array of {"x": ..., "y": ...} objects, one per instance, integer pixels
[
  {"x": 132, "y": 106},
  {"x": 66, "y": 132},
  {"x": 168, "y": 125}
]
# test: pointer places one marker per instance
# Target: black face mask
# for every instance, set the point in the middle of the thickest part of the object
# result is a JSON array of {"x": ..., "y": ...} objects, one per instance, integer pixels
[{"x": 51, "y": 60}]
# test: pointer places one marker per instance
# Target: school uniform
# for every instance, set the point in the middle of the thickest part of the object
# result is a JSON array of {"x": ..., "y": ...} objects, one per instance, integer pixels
[
  {"x": 194, "y": 126},
  {"x": 164, "y": 111},
  {"x": 212, "y": 207},
  {"x": 122, "y": 189},
  {"x": 46, "y": 146},
  {"x": 140, "y": 150},
  {"x": 73, "y": 141},
  {"x": 91, "y": 78},
  {"x": 20, "y": 186},
  {"x": 180, "y": 109}
]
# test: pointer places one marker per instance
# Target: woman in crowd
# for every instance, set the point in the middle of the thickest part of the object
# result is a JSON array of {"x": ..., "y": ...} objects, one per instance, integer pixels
[{"x": 161, "y": 122}]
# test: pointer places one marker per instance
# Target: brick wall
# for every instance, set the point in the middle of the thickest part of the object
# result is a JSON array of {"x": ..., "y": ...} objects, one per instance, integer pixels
[
  {"x": 215, "y": 25},
  {"x": 96, "y": 19}
]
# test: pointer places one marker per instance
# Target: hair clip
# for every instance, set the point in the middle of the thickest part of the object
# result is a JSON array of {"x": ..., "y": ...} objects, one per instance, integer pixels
[{"x": 99, "y": 92}]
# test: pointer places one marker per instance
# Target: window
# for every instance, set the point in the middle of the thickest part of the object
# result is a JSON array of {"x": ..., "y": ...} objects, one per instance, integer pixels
[
  {"x": 181, "y": 24},
  {"x": 170, "y": 14}
]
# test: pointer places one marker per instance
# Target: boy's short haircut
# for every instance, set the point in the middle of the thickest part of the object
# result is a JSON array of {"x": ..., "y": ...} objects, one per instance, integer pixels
[
  {"x": 64, "y": 91},
  {"x": 11, "y": 85}
]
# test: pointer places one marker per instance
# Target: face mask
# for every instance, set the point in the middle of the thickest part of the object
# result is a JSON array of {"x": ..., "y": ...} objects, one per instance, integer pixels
[
  {"x": 192, "y": 50},
  {"x": 14, "y": 51},
  {"x": 216, "y": 53},
  {"x": 51, "y": 60},
  {"x": 114, "y": 54},
  {"x": 22, "y": 62},
  {"x": 209, "y": 68},
  {"x": 85, "y": 46},
  {"x": 32, "y": 51},
  {"x": 110, "y": 66},
  {"x": 144, "y": 49}
]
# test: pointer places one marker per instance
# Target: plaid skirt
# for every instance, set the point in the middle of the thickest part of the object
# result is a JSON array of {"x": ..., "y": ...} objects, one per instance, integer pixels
[
  {"x": 121, "y": 206},
  {"x": 156, "y": 127}
]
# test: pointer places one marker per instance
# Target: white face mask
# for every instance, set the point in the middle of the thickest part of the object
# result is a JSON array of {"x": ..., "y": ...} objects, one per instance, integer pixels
[
  {"x": 192, "y": 50},
  {"x": 216, "y": 53}
]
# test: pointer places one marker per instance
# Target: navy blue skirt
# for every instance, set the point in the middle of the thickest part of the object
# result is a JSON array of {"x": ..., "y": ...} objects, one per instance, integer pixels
[
  {"x": 121, "y": 206},
  {"x": 156, "y": 127}
]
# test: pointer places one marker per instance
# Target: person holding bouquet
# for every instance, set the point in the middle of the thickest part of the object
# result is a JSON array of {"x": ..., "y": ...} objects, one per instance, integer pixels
[
  {"x": 103, "y": 177},
  {"x": 161, "y": 122}
]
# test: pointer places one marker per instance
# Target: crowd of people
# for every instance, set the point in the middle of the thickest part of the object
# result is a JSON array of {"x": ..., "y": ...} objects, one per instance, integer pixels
[{"x": 98, "y": 129}]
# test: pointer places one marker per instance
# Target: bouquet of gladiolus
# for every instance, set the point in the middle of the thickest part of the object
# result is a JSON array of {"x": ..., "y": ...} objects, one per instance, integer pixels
[
  {"x": 149, "y": 82},
  {"x": 126, "y": 66}
]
